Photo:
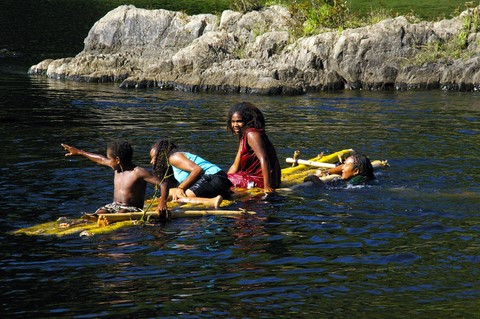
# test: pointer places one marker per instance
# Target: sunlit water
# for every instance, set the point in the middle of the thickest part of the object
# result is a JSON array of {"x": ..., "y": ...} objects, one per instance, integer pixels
[{"x": 406, "y": 246}]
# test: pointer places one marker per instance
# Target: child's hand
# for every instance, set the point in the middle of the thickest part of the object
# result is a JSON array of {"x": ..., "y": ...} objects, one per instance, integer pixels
[
  {"x": 178, "y": 193},
  {"x": 162, "y": 205},
  {"x": 321, "y": 173},
  {"x": 268, "y": 190},
  {"x": 162, "y": 211},
  {"x": 71, "y": 150}
]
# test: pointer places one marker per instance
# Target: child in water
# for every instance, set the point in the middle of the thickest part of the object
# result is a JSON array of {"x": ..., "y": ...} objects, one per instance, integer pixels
[
  {"x": 357, "y": 169},
  {"x": 130, "y": 181},
  {"x": 196, "y": 179},
  {"x": 256, "y": 163}
]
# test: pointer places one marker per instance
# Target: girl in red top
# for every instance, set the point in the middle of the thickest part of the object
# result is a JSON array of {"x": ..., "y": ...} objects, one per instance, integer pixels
[{"x": 256, "y": 163}]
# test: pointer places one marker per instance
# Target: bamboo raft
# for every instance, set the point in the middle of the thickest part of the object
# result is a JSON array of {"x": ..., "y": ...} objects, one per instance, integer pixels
[
  {"x": 91, "y": 224},
  {"x": 106, "y": 223}
]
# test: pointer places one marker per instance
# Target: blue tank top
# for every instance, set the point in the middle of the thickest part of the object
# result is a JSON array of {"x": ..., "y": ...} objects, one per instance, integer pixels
[{"x": 208, "y": 168}]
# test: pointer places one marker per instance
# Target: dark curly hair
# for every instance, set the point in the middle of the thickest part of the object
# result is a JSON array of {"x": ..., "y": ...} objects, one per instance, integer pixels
[
  {"x": 161, "y": 166},
  {"x": 121, "y": 149},
  {"x": 250, "y": 114},
  {"x": 363, "y": 164}
]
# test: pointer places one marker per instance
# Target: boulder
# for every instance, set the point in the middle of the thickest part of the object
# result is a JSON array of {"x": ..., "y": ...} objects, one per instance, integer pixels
[{"x": 256, "y": 53}]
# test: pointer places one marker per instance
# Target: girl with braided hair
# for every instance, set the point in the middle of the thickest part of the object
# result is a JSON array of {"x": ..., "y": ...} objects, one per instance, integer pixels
[
  {"x": 187, "y": 177},
  {"x": 256, "y": 163}
]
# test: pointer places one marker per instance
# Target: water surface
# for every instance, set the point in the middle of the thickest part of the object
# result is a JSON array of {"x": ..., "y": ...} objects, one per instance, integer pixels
[{"x": 404, "y": 247}]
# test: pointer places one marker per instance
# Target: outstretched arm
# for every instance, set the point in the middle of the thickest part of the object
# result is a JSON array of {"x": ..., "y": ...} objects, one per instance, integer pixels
[
  {"x": 97, "y": 158},
  {"x": 258, "y": 146}
]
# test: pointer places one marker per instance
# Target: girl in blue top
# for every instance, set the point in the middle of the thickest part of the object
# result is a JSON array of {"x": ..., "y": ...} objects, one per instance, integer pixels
[{"x": 187, "y": 175}]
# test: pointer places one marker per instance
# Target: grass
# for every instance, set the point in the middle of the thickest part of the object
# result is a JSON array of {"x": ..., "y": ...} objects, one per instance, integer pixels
[
  {"x": 454, "y": 48},
  {"x": 317, "y": 16}
]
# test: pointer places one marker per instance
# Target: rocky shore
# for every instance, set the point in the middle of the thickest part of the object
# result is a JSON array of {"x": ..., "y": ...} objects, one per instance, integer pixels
[{"x": 255, "y": 53}]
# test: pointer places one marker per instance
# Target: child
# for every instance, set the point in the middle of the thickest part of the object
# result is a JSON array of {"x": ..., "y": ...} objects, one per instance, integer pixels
[
  {"x": 196, "y": 180},
  {"x": 130, "y": 181},
  {"x": 256, "y": 163},
  {"x": 357, "y": 169}
]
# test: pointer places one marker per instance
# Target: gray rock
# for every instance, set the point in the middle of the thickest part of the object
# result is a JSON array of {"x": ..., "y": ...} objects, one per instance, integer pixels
[{"x": 255, "y": 53}]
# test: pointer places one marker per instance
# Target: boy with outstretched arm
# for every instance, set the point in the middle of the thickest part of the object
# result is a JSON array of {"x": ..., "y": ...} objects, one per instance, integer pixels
[{"x": 130, "y": 180}]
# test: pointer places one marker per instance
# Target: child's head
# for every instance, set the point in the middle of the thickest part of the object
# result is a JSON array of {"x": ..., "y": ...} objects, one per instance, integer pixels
[
  {"x": 250, "y": 115},
  {"x": 357, "y": 165},
  {"x": 121, "y": 149},
  {"x": 159, "y": 154}
]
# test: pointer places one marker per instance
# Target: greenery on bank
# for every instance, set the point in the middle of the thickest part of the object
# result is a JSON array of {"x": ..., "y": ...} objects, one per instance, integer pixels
[
  {"x": 317, "y": 16},
  {"x": 456, "y": 47}
]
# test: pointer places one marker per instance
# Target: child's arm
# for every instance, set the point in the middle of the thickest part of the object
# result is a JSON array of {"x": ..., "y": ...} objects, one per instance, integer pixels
[
  {"x": 258, "y": 146},
  {"x": 162, "y": 201},
  {"x": 179, "y": 160},
  {"x": 149, "y": 178},
  {"x": 236, "y": 164},
  {"x": 335, "y": 170},
  {"x": 162, "y": 184},
  {"x": 97, "y": 158}
]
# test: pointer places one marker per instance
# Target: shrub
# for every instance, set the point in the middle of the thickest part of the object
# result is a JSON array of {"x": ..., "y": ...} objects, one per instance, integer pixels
[
  {"x": 318, "y": 15},
  {"x": 246, "y": 5},
  {"x": 453, "y": 48}
]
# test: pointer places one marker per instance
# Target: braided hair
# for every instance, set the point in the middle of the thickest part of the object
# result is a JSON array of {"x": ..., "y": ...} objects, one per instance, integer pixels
[{"x": 161, "y": 166}]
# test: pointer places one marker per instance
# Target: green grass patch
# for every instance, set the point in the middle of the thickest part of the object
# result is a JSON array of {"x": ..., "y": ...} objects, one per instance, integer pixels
[{"x": 457, "y": 47}]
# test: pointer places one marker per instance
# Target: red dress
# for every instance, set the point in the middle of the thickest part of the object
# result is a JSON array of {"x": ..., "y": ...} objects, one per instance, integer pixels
[{"x": 250, "y": 171}]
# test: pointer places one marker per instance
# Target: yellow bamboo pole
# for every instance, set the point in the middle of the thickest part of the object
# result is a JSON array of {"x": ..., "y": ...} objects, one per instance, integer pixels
[{"x": 105, "y": 219}]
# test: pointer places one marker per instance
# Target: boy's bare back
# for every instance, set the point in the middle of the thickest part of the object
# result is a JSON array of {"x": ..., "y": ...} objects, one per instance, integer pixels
[{"x": 130, "y": 186}]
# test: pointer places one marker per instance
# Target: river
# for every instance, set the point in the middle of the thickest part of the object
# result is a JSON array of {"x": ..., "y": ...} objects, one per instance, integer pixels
[{"x": 407, "y": 246}]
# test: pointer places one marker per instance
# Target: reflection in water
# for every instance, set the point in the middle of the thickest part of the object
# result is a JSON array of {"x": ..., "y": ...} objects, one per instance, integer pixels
[{"x": 405, "y": 245}]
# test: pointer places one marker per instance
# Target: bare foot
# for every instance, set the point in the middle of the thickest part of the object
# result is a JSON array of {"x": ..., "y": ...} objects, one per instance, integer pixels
[{"x": 218, "y": 201}]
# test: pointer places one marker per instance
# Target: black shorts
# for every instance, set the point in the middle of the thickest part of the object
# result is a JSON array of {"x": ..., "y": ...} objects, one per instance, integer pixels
[{"x": 212, "y": 185}]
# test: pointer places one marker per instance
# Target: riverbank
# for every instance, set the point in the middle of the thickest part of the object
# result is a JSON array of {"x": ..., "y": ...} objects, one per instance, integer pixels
[{"x": 256, "y": 53}]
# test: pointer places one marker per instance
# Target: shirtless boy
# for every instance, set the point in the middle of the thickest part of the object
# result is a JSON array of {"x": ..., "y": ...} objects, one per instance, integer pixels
[{"x": 130, "y": 181}]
